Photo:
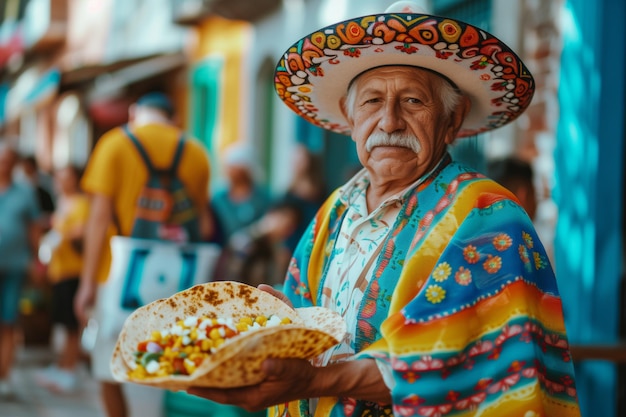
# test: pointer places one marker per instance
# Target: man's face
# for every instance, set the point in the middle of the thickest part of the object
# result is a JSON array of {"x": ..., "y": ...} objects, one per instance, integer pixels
[
  {"x": 400, "y": 101},
  {"x": 238, "y": 174}
]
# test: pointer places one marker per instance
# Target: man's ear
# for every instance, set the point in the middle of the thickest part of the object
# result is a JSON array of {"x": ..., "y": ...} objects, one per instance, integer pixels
[
  {"x": 344, "y": 111},
  {"x": 458, "y": 116}
]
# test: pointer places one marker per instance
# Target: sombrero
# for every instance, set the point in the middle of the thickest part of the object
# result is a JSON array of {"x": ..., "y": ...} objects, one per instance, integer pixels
[{"x": 314, "y": 73}]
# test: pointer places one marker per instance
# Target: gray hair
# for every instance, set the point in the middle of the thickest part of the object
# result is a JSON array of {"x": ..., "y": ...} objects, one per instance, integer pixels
[{"x": 449, "y": 95}]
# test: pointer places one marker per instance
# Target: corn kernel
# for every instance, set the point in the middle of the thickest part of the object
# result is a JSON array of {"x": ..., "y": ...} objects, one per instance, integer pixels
[
  {"x": 219, "y": 342},
  {"x": 206, "y": 345},
  {"x": 167, "y": 353},
  {"x": 193, "y": 335},
  {"x": 241, "y": 326},
  {"x": 261, "y": 320},
  {"x": 155, "y": 336},
  {"x": 215, "y": 334},
  {"x": 247, "y": 320},
  {"x": 286, "y": 320}
]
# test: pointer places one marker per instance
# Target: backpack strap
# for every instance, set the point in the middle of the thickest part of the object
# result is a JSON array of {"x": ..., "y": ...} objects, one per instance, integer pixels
[
  {"x": 146, "y": 159},
  {"x": 140, "y": 149},
  {"x": 178, "y": 154}
]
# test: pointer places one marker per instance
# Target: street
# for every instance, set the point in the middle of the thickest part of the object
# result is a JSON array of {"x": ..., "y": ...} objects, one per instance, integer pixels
[{"x": 30, "y": 400}]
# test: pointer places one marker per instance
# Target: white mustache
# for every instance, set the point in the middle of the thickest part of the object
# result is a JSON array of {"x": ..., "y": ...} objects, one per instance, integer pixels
[{"x": 394, "y": 139}]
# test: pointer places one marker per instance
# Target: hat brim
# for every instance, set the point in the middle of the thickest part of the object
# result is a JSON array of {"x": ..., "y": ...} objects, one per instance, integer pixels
[{"x": 314, "y": 74}]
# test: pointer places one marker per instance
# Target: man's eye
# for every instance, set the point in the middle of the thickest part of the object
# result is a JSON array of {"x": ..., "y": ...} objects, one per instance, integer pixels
[{"x": 413, "y": 100}]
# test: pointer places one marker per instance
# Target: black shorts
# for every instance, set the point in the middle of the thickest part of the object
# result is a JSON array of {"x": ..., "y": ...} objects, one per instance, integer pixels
[{"x": 63, "y": 303}]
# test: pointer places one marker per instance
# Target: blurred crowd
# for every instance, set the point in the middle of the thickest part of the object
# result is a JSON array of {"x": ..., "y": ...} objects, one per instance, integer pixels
[{"x": 46, "y": 236}]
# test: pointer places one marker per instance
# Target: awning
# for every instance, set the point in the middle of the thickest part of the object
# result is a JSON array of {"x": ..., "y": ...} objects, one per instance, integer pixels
[
  {"x": 32, "y": 89},
  {"x": 46, "y": 88},
  {"x": 111, "y": 83}
]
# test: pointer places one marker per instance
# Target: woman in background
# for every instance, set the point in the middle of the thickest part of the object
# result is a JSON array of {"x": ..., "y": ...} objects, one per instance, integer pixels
[{"x": 65, "y": 264}]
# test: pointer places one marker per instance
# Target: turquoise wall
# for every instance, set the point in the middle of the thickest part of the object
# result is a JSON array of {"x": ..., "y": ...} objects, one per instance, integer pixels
[{"x": 589, "y": 163}]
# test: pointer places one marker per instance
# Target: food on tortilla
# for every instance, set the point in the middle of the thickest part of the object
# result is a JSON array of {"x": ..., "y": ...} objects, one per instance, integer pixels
[
  {"x": 181, "y": 348},
  {"x": 237, "y": 360}
]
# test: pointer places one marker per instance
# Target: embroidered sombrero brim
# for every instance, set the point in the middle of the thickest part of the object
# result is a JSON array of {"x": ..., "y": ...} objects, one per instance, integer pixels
[{"x": 314, "y": 73}]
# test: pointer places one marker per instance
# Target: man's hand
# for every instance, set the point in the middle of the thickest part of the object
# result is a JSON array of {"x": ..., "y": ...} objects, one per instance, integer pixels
[
  {"x": 269, "y": 289},
  {"x": 286, "y": 380},
  {"x": 100, "y": 217},
  {"x": 296, "y": 379},
  {"x": 84, "y": 300}
]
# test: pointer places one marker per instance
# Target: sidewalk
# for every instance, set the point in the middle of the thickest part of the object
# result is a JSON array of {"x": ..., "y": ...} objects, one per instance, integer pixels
[{"x": 30, "y": 400}]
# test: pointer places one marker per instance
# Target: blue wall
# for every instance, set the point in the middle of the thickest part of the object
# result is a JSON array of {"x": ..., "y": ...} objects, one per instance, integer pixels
[{"x": 589, "y": 159}]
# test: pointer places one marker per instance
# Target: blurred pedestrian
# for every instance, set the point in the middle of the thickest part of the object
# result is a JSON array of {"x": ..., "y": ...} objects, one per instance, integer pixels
[
  {"x": 20, "y": 230},
  {"x": 33, "y": 175},
  {"x": 517, "y": 176},
  {"x": 237, "y": 204},
  {"x": 65, "y": 264},
  {"x": 307, "y": 190},
  {"x": 261, "y": 252},
  {"x": 115, "y": 177},
  {"x": 38, "y": 285},
  {"x": 241, "y": 200}
]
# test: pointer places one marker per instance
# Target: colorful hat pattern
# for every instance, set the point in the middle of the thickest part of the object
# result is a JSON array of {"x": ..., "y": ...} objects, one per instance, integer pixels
[{"x": 314, "y": 73}]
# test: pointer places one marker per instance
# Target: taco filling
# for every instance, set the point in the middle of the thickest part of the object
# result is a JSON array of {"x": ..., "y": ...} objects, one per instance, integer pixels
[{"x": 181, "y": 348}]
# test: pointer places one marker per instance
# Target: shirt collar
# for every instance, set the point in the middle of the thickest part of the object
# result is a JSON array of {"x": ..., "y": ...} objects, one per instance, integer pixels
[{"x": 357, "y": 185}]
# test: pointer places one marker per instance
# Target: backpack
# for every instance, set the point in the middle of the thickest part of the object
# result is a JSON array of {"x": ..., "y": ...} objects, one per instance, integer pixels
[{"x": 164, "y": 210}]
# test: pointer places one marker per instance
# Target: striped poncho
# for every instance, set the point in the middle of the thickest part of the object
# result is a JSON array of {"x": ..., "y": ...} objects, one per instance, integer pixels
[{"x": 463, "y": 306}]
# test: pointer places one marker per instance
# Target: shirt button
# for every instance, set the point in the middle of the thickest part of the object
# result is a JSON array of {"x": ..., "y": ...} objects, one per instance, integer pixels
[{"x": 352, "y": 250}]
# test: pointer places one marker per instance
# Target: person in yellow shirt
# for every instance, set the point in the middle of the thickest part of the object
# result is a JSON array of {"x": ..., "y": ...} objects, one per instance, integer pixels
[
  {"x": 64, "y": 246},
  {"x": 114, "y": 178}
]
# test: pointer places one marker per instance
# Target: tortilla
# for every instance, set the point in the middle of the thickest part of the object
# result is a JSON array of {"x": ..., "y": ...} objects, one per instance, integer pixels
[{"x": 237, "y": 363}]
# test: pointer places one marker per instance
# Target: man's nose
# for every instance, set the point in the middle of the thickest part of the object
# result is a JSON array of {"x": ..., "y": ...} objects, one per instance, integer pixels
[{"x": 391, "y": 120}]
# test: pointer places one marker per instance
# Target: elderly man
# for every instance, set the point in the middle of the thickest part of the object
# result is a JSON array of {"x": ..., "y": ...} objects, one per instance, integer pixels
[{"x": 451, "y": 304}]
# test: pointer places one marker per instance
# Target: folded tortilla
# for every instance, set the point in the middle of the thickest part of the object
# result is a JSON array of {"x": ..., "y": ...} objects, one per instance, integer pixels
[{"x": 238, "y": 361}]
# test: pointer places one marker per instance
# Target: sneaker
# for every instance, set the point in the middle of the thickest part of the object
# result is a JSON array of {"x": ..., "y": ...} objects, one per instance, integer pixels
[{"x": 57, "y": 380}]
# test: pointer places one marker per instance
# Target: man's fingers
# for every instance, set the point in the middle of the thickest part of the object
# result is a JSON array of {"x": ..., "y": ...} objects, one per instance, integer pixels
[
  {"x": 271, "y": 290},
  {"x": 241, "y": 397},
  {"x": 217, "y": 395},
  {"x": 277, "y": 369}
]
